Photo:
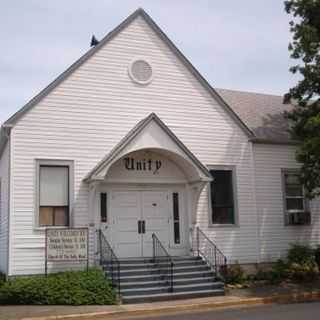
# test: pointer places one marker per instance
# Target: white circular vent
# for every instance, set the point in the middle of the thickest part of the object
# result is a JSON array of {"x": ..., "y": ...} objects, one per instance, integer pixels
[{"x": 140, "y": 71}]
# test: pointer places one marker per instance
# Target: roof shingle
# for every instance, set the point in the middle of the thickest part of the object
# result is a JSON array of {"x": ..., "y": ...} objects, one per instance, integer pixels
[{"x": 262, "y": 113}]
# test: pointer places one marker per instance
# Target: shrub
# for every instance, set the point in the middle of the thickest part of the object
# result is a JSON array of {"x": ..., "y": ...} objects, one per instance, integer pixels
[
  {"x": 317, "y": 255},
  {"x": 2, "y": 278},
  {"x": 300, "y": 254},
  {"x": 268, "y": 276},
  {"x": 301, "y": 264},
  {"x": 306, "y": 271},
  {"x": 281, "y": 269},
  {"x": 235, "y": 274},
  {"x": 64, "y": 288}
]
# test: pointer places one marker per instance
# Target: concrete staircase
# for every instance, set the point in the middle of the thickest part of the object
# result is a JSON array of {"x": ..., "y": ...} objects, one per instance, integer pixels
[{"x": 141, "y": 280}]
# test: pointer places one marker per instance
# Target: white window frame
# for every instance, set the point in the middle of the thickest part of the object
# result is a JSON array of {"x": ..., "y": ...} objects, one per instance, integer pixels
[
  {"x": 57, "y": 163},
  {"x": 233, "y": 169},
  {"x": 284, "y": 196}
]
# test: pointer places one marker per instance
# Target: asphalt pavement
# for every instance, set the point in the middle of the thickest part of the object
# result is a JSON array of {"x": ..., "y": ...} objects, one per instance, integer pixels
[{"x": 270, "y": 312}]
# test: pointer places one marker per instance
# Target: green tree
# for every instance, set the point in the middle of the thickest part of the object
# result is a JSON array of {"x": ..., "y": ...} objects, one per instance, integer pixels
[{"x": 305, "y": 116}]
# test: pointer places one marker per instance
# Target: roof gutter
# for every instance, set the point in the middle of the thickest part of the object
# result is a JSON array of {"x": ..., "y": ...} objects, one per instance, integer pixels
[{"x": 276, "y": 142}]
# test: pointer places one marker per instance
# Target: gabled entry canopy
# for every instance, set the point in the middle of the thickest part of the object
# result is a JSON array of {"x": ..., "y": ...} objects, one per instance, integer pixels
[{"x": 152, "y": 134}]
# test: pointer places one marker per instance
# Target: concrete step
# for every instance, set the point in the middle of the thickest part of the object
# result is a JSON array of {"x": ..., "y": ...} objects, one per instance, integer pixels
[
  {"x": 177, "y": 288},
  {"x": 143, "y": 284},
  {"x": 160, "y": 282},
  {"x": 150, "y": 260},
  {"x": 155, "y": 270},
  {"x": 134, "y": 266},
  {"x": 157, "y": 276},
  {"x": 171, "y": 296},
  {"x": 142, "y": 280}
]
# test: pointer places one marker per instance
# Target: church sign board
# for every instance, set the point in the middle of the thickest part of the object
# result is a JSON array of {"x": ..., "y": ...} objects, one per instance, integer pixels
[{"x": 66, "y": 244}]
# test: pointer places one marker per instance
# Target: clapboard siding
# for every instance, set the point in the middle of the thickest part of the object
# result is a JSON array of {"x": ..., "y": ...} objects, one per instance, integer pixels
[
  {"x": 275, "y": 237},
  {"x": 87, "y": 115},
  {"x": 4, "y": 203}
]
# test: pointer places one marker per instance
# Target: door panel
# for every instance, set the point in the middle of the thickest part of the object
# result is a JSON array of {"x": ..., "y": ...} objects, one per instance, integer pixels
[
  {"x": 126, "y": 211},
  {"x": 129, "y": 207},
  {"x": 155, "y": 215}
]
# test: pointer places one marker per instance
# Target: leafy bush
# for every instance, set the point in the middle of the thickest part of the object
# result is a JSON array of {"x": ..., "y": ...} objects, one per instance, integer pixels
[
  {"x": 301, "y": 264},
  {"x": 281, "y": 269},
  {"x": 2, "y": 278},
  {"x": 64, "y": 288},
  {"x": 235, "y": 275},
  {"x": 300, "y": 254},
  {"x": 317, "y": 256},
  {"x": 268, "y": 276}
]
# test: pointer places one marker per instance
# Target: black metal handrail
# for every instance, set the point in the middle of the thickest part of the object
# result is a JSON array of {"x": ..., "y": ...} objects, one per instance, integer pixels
[
  {"x": 210, "y": 252},
  {"x": 163, "y": 261},
  {"x": 108, "y": 258}
]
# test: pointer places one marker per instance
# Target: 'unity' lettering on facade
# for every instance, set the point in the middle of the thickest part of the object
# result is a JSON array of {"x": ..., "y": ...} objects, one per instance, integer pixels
[{"x": 142, "y": 165}]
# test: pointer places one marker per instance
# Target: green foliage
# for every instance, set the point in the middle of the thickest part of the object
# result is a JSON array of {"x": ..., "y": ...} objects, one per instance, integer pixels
[
  {"x": 317, "y": 256},
  {"x": 65, "y": 288},
  {"x": 305, "y": 117},
  {"x": 235, "y": 275},
  {"x": 281, "y": 269},
  {"x": 305, "y": 271},
  {"x": 2, "y": 278},
  {"x": 300, "y": 254},
  {"x": 302, "y": 264}
]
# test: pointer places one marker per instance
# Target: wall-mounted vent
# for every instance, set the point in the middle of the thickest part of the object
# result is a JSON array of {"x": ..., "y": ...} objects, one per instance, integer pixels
[{"x": 140, "y": 71}]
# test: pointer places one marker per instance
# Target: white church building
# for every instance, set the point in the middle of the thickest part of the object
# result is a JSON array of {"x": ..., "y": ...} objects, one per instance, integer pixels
[{"x": 132, "y": 141}]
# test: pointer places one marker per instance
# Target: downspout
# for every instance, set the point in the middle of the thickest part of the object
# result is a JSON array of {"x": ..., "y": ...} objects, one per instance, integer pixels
[
  {"x": 6, "y": 129},
  {"x": 258, "y": 227}
]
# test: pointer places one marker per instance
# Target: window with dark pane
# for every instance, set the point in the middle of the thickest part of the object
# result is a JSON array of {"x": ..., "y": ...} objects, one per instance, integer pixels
[
  {"x": 222, "y": 198},
  {"x": 293, "y": 192},
  {"x": 176, "y": 217},
  {"x": 103, "y": 207},
  {"x": 54, "y": 196}
]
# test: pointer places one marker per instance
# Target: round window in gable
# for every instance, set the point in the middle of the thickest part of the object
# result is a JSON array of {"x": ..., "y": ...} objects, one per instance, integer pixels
[{"x": 140, "y": 71}]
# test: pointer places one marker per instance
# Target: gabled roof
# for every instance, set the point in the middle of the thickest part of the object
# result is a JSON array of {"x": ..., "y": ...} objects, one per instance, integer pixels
[
  {"x": 247, "y": 109},
  {"x": 262, "y": 113},
  {"x": 133, "y": 133},
  {"x": 140, "y": 12}
]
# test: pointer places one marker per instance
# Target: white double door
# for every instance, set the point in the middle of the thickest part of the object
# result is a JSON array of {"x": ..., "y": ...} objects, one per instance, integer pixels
[{"x": 136, "y": 216}]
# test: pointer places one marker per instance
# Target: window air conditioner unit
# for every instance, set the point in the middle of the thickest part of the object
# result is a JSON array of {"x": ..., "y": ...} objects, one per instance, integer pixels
[{"x": 299, "y": 218}]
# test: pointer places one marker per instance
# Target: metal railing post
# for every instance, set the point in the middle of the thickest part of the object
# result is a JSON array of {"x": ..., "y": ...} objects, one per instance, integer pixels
[
  {"x": 215, "y": 260},
  {"x": 171, "y": 276},
  {"x": 100, "y": 244},
  {"x": 198, "y": 248},
  {"x": 210, "y": 252},
  {"x": 108, "y": 256},
  {"x": 163, "y": 261},
  {"x": 119, "y": 282},
  {"x": 153, "y": 249}
]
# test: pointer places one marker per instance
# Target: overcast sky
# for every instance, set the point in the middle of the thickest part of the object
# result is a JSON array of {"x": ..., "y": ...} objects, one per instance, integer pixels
[{"x": 235, "y": 44}]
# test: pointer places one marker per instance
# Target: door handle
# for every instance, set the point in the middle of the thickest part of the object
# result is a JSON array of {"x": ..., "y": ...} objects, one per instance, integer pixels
[{"x": 141, "y": 226}]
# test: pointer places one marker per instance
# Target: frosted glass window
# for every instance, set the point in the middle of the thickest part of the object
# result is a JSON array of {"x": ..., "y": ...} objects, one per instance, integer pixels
[
  {"x": 54, "y": 195},
  {"x": 54, "y": 186}
]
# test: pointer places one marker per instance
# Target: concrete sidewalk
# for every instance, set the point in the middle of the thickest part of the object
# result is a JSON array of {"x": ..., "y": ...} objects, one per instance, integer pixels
[{"x": 234, "y": 298}]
